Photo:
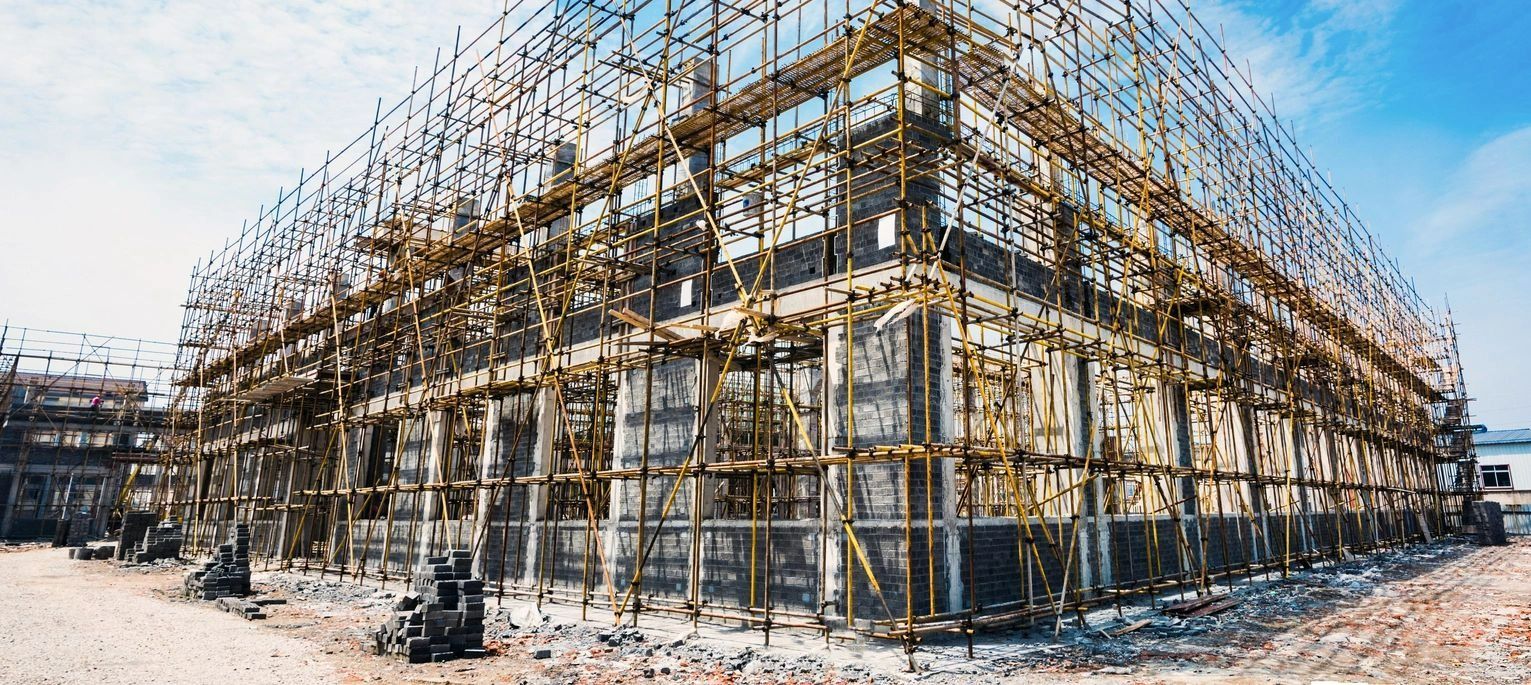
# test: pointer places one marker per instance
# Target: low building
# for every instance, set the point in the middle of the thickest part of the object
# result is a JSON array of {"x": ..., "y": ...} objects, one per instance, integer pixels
[{"x": 1504, "y": 465}]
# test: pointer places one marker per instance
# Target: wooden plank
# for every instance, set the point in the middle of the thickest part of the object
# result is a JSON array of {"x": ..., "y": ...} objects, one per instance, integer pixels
[
  {"x": 1214, "y": 608},
  {"x": 641, "y": 322},
  {"x": 1190, "y": 604},
  {"x": 1130, "y": 627}
]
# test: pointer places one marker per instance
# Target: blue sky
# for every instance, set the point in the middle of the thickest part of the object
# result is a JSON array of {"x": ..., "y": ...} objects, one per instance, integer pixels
[
  {"x": 137, "y": 136},
  {"x": 1428, "y": 137}
]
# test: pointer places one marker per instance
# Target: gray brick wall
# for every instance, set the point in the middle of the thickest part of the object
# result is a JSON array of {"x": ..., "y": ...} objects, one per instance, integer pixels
[{"x": 736, "y": 557}]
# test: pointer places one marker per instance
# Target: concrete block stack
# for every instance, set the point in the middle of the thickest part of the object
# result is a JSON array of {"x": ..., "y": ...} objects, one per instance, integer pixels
[
  {"x": 134, "y": 525},
  {"x": 78, "y": 530},
  {"x": 227, "y": 574},
  {"x": 160, "y": 542},
  {"x": 443, "y": 618},
  {"x": 1488, "y": 523}
]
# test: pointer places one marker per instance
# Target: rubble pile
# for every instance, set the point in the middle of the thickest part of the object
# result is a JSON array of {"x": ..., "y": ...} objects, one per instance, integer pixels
[{"x": 442, "y": 619}]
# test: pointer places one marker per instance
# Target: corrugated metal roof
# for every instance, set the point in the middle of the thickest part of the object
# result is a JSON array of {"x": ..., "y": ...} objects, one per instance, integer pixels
[{"x": 1511, "y": 435}]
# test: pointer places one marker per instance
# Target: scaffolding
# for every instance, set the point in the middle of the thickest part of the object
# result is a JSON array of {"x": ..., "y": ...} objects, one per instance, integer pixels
[
  {"x": 876, "y": 317},
  {"x": 82, "y": 418}
]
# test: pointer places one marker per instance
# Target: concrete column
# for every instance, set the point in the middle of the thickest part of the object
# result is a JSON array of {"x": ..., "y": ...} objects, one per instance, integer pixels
[
  {"x": 709, "y": 370},
  {"x": 833, "y": 572},
  {"x": 549, "y": 426},
  {"x": 1365, "y": 474},
  {"x": 560, "y": 165},
  {"x": 954, "y": 527},
  {"x": 1337, "y": 474},
  {"x": 1297, "y": 446},
  {"x": 699, "y": 92},
  {"x": 1095, "y": 524},
  {"x": 1177, "y": 409},
  {"x": 1260, "y": 545},
  {"x": 562, "y": 162},
  {"x": 708, "y": 427},
  {"x": 1064, "y": 409},
  {"x": 438, "y": 442},
  {"x": 921, "y": 101},
  {"x": 105, "y": 493},
  {"x": 490, "y": 465},
  {"x": 8, "y": 517}
]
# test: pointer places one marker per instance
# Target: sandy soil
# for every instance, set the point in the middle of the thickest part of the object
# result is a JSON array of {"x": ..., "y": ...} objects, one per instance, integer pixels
[{"x": 1446, "y": 613}]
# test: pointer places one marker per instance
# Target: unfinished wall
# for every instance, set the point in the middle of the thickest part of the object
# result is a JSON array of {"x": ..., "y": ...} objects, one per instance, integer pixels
[{"x": 889, "y": 321}]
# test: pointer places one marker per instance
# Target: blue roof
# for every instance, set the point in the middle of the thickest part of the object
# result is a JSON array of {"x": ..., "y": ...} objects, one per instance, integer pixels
[{"x": 1511, "y": 435}]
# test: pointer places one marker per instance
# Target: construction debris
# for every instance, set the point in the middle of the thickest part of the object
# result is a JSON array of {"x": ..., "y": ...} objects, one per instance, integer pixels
[
  {"x": 85, "y": 553},
  {"x": 1130, "y": 627},
  {"x": 1201, "y": 606}
]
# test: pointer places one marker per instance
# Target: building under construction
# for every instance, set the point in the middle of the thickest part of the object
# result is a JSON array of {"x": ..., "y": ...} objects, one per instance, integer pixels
[
  {"x": 82, "y": 418},
  {"x": 864, "y": 317}
]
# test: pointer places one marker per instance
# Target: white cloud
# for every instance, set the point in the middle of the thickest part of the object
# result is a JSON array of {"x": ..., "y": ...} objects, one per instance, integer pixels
[
  {"x": 138, "y": 135},
  {"x": 1484, "y": 198},
  {"x": 1475, "y": 241},
  {"x": 1316, "y": 63}
]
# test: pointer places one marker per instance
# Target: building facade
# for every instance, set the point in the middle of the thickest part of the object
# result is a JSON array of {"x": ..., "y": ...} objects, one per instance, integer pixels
[
  {"x": 890, "y": 318},
  {"x": 1504, "y": 465},
  {"x": 80, "y": 432}
]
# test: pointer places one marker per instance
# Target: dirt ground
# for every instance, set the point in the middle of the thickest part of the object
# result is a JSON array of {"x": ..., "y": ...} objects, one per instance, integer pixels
[
  {"x": 1441, "y": 613},
  {"x": 66, "y": 621}
]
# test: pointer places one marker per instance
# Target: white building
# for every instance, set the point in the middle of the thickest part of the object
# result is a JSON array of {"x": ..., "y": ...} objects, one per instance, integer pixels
[{"x": 1504, "y": 465}]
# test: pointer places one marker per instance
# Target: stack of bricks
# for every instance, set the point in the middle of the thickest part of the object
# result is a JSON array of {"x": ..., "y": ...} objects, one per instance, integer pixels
[
  {"x": 160, "y": 542},
  {"x": 79, "y": 530},
  {"x": 246, "y": 610},
  {"x": 134, "y": 525},
  {"x": 443, "y": 618},
  {"x": 227, "y": 574},
  {"x": 1488, "y": 523}
]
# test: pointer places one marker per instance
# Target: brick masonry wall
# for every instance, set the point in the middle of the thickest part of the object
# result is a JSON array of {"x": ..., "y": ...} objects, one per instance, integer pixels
[
  {"x": 658, "y": 420},
  {"x": 895, "y": 371},
  {"x": 667, "y": 571},
  {"x": 736, "y": 557},
  {"x": 903, "y": 572}
]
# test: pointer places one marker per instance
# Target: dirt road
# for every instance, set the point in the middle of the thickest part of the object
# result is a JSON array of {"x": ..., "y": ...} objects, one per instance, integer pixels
[
  {"x": 1443, "y": 613},
  {"x": 80, "y": 622}
]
